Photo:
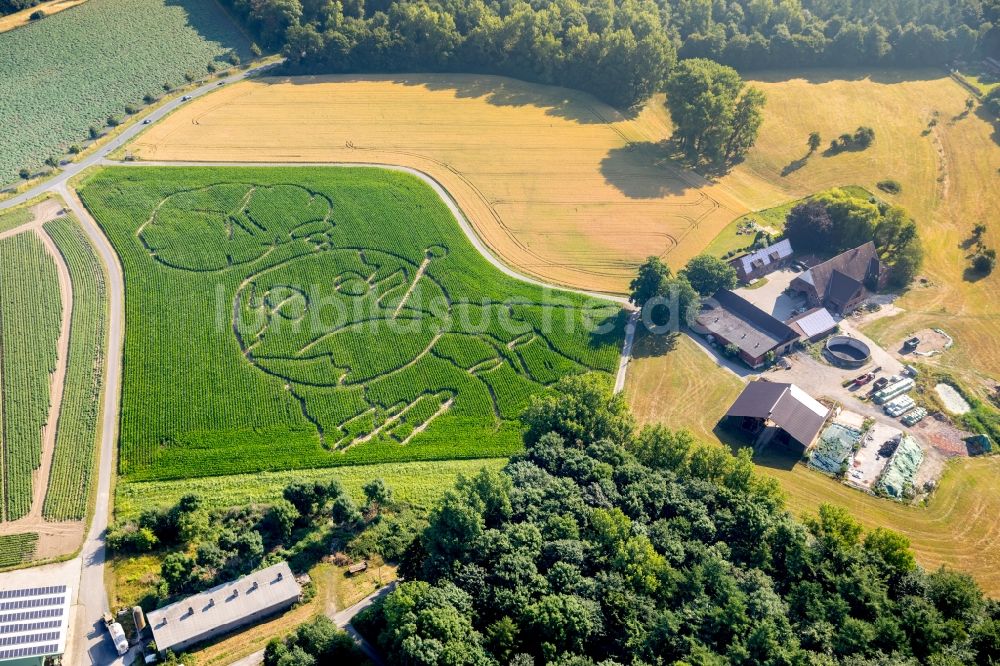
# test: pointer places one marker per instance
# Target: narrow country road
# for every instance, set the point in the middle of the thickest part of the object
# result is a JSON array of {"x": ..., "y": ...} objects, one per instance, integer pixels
[{"x": 90, "y": 641}]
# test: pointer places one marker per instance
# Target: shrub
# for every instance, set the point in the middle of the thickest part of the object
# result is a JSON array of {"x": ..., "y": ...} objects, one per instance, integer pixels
[
  {"x": 211, "y": 67},
  {"x": 25, "y": 174},
  {"x": 94, "y": 132},
  {"x": 984, "y": 262},
  {"x": 114, "y": 121},
  {"x": 74, "y": 149},
  {"x": 189, "y": 77},
  {"x": 255, "y": 50},
  {"x": 39, "y": 14},
  {"x": 131, "y": 108},
  {"x": 890, "y": 186}
]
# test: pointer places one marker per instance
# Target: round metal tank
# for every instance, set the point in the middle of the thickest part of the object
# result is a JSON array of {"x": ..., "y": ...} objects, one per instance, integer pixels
[{"x": 847, "y": 352}]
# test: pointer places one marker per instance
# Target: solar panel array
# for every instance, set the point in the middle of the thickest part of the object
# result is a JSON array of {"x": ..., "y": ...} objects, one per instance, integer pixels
[
  {"x": 33, "y": 592},
  {"x": 35, "y": 622}
]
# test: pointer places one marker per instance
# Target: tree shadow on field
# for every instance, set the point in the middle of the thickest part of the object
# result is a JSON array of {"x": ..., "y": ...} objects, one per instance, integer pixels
[
  {"x": 985, "y": 114},
  {"x": 500, "y": 91},
  {"x": 652, "y": 345},
  {"x": 794, "y": 166},
  {"x": 212, "y": 22},
  {"x": 833, "y": 74},
  {"x": 644, "y": 171}
]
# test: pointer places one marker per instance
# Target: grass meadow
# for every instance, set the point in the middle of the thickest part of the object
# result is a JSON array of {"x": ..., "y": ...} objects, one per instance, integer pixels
[{"x": 308, "y": 317}]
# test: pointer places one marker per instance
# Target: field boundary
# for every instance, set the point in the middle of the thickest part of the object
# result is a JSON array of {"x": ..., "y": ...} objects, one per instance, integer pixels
[{"x": 463, "y": 222}]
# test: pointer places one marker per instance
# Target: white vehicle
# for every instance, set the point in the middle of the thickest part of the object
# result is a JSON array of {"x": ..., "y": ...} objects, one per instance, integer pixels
[
  {"x": 185, "y": 98},
  {"x": 118, "y": 636},
  {"x": 900, "y": 405}
]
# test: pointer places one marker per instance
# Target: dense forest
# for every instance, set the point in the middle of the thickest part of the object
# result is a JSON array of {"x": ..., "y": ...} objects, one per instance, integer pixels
[
  {"x": 603, "y": 545},
  {"x": 619, "y": 50},
  {"x": 11, "y": 6}
]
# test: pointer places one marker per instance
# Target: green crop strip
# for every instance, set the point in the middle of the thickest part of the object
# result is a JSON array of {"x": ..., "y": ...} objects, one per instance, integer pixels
[
  {"x": 30, "y": 311},
  {"x": 308, "y": 317},
  {"x": 73, "y": 459},
  {"x": 17, "y": 548}
]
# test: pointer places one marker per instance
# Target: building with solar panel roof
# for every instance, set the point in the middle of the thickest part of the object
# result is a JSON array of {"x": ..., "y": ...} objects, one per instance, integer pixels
[{"x": 34, "y": 622}]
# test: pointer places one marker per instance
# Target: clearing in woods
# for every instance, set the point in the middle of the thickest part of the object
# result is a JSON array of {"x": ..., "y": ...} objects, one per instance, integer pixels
[
  {"x": 559, "y": 185},
  {"x": 312, "y": 317}
]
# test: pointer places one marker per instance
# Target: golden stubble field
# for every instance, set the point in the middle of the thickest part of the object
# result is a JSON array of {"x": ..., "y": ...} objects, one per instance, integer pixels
[{"x": 559, "y": 185}]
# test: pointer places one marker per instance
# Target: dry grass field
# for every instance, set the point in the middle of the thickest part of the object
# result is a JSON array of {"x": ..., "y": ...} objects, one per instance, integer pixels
[
  {"x": 558, "y": 184},
  {"x": 949, "y": 173}
]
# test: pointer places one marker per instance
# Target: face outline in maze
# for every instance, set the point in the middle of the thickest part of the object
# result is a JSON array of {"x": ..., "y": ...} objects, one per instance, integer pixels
[{"x": 310, "y": 312}]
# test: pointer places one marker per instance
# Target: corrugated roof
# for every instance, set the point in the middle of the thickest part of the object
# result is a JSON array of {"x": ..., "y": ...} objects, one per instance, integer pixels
[
  {"x": 33, "y": 621},
  {"x": 815, "y": 322},
  {"x": 781, "y": 250},
  {"x": 224, "y": 605},
  {"x": 855, "y": 264}
]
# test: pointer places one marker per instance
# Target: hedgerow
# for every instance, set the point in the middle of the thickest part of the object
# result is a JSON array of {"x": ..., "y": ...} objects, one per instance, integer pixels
[
  {"x": 78, "y": 68},
  {"x": 73, "y": 459},
  {"x": 30, "y": 312},
  {"x": 303, "y": 317}
]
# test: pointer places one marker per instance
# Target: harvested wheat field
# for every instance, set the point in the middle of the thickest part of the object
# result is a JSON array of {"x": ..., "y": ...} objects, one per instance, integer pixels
[
  {"x": 947, "y": 162},
  {"x": 558, "y": 184}
]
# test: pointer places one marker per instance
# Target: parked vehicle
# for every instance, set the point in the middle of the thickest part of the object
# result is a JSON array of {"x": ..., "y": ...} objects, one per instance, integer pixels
[
  {"x": 911, "y": 343},
  {"x": 146, "y": 121},
  {"x": 117, "y": 634},
  {"x": 892, "y": 390},
  {"x": 864, "y": 379},
  {"x": 880, "y": 383},
  {"x": 185, "y": 98},
  {"x": 900, "y": 405},
  {"x": 914, "y": 417}
]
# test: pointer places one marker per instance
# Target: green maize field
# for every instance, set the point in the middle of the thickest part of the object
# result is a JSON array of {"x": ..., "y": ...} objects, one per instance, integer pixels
[
  {"x": 30, "y": 312},
  {"x": 60, "y": 76},
  {"x": 73, "y": 459},
  {"x": 17, "y": 549},
  {"x": 290, "y": 318}
]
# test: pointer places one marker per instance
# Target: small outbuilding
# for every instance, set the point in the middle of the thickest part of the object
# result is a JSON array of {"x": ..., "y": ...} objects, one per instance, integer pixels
[
  {"x": 223, "y": 608},
  {"x": 814, "y": 324},
  {"x": 796, "y": 415},
  {"x": 760, "y": 262}
]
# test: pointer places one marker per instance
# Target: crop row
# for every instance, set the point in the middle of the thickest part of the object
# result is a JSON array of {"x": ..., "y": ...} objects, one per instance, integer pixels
[
  {"x": 17, "y": 548},
  {"x": 73, "y": 460},
  {"x": 276, "y": 326},
  {"x": 60, "y": 76},
  {"x": 30, "y": 312}
]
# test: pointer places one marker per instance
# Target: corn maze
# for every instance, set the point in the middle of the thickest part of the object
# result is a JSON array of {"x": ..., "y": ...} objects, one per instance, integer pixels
[
  {"x": 30, "y": 312},
  {"x": 303, "y": 317},
  {"x": 76, "y": 437}
]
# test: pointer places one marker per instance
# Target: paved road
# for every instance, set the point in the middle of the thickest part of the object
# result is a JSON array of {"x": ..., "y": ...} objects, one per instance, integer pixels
[{"x": 91, "y": 644}]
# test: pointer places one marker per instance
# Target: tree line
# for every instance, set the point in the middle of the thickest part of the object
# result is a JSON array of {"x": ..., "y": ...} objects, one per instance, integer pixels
[
  {"x": 620, "y": 51},
  {"x": 605, "y": 544}
]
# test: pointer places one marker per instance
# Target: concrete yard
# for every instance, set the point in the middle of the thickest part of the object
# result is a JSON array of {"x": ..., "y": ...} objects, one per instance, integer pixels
[
  {"x": 868, "y": 462},
  {"x": 771, "y": 298}
]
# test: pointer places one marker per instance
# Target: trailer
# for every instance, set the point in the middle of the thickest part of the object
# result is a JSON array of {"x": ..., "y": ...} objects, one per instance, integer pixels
[
  {"x": 900, "y": 405},
  {"x": 914, "y": 417},
  {"x": 893, "y": 390}
]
